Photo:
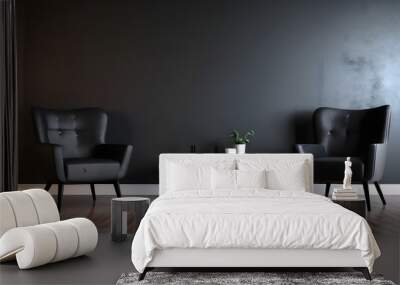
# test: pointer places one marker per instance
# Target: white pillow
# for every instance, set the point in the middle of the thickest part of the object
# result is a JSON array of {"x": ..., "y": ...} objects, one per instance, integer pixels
[
  {"x": 188, "y": 177},
  {"x": 251, "y": 178},
  {"x": 282, "y": 174},
  {"x": 223, "y": 179},
  {"x": 292, "y": 179}
]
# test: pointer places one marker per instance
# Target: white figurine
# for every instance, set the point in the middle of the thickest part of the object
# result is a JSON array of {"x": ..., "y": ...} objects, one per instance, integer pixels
[{"x": 347, "y": 175}]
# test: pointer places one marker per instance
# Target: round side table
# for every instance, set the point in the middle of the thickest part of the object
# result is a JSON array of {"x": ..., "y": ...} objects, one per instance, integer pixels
[{"x": 136, "y": 207}]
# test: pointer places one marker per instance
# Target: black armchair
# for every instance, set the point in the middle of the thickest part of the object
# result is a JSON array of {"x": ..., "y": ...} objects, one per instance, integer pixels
[
  {"x": 77, "y": 141},
  {"x": 360, "y": 134}
]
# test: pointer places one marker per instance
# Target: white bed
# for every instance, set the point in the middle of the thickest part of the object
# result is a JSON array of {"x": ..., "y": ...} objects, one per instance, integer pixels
[{"x": 279, "y": 224}]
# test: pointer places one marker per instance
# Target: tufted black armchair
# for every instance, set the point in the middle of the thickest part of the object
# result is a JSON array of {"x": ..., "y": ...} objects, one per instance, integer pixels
[
  {"x": 77, "y": 140},
  {"x": 360, "y": 134}
]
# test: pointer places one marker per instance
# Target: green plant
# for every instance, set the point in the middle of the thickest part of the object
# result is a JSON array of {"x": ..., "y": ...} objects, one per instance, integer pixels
[{"x": 242, "y": 139}]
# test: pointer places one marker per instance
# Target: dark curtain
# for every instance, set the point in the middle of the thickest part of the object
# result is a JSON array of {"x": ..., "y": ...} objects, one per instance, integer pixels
[{"x": 8, "y": 97}]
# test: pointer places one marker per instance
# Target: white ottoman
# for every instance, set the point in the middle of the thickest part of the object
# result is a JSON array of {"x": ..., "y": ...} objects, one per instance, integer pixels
[{"x": 31, "y": 232}]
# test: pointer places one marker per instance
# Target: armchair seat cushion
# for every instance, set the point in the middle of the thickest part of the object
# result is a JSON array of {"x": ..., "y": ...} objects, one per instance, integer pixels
[
  {"x": 91, "y": 169},
  {"x": 331, "y": 169}
]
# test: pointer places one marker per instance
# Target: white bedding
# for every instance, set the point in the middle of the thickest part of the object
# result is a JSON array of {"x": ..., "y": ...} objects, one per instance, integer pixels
[{"x": 250, "y": 218}]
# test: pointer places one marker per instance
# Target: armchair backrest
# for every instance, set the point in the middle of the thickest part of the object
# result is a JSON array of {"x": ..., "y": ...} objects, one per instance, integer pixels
[
  {"x": 78, "y": 131},
  {"x": 349, "y": 132},
  {"x": 26, "y": 208}
]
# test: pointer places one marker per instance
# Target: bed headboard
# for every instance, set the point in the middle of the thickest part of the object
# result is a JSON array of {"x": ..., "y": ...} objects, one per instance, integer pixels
[{"x": 234, "y": 159}]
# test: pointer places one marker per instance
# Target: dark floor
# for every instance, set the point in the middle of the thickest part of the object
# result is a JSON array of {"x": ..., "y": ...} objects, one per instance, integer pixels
[{"x": 111, "y": 259}]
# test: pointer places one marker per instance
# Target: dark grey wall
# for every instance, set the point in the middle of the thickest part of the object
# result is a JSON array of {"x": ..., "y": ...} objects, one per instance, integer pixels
[{"x": 174, "y": 73}]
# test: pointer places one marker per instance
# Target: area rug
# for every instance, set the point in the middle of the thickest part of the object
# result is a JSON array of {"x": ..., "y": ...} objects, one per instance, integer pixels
[{"x": 268, "y": 278}]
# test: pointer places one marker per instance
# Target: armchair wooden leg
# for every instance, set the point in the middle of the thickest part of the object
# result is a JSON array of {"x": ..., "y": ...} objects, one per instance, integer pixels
[
  {"x": 117, "y": 189},
  {"x": 327, "y": 187},
  {"x": 60, "y": 195},
  {"x": 48, "y": 186},
  {"x": 366, "y": 193},
  {"x": 379, "y": 190},
  {"x": 93, "y": 191}
]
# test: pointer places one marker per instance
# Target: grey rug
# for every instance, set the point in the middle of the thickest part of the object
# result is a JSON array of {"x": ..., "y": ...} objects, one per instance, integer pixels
[{"x": 269, "y": 278}]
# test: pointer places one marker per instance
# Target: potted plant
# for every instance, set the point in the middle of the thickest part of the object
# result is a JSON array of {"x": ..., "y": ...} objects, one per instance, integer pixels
[{"x": 242, "y": 140}]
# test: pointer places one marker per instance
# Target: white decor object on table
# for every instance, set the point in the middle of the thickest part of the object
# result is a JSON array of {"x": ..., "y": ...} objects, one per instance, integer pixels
[
  {"x": 340, "y": 194},
  {"x": 346, "y": 192},
  {"x": 31, "y": 231},
  {"x": 230, "y": 150},
  {"x": 348, "y": 173}
]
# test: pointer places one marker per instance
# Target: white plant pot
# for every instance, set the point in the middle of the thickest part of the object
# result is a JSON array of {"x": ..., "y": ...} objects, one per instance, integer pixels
[{"x": 241, "y": 148}]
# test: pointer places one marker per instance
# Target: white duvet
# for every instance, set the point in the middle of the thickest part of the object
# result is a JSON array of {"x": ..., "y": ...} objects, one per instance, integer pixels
[{"x": 250, "y": 219}]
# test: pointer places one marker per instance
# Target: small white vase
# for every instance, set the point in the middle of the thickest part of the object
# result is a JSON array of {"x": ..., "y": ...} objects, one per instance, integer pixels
[
  {"x": 230, "y": 150},
  {"x": 241, "y": 148}
]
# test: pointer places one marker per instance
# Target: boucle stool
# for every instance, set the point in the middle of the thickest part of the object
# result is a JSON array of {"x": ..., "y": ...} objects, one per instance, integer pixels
[{"x": 31, "y": 231}]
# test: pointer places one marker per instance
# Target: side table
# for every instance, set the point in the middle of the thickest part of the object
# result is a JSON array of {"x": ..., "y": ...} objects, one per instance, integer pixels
[
  {"x": 136, "y": 207},
  {"x": 357, "y": 205}
]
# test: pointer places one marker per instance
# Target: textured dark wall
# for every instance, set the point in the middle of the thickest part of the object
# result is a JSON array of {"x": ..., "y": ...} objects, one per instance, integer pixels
[{"x": 174, "y": 73}]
